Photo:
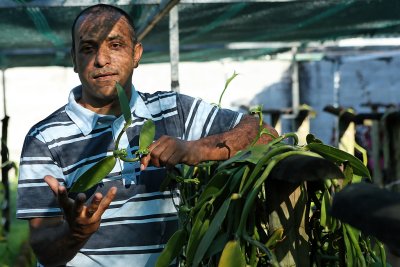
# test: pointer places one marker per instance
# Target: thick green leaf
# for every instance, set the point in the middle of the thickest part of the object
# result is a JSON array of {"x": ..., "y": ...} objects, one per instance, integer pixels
[
  {"x": 172, "y": 249},
  {"x": 251, "y": 154},
  {"x": 147, "y": 134},
  {"x": 124, "y": 103},
  {"x": 232, "y": 255},
  {"x": 208, "y": 238},
  {"x": 94, "y": 175},
  {"x": 198, "y": 231},
  {"x": 349, "y": 249},
  {"x": 325, "y": 207},
  {"x": 340, "y": 156}
]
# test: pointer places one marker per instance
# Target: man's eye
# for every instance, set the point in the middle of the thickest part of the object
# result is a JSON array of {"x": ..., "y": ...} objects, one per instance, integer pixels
[
  {"x": 87, "y": 49},
  {"x": 116, "y": 45}
]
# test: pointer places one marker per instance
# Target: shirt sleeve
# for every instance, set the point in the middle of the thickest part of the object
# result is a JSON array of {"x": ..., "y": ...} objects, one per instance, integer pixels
[
  {"x": 34, "y": 196},
  {"x": 202, "y": 119}
]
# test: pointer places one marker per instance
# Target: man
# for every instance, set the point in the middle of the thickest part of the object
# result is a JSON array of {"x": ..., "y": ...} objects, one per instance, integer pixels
[{"x": 125, "y": 220}]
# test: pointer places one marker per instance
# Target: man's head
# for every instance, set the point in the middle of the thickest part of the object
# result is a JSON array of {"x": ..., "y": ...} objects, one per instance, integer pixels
[
  {"x": 97, "y": 9},
  {"x": 104, "y": 51}
]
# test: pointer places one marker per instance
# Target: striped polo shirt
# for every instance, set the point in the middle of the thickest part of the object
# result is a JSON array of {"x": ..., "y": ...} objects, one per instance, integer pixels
[{"x": 140, "y": 219}]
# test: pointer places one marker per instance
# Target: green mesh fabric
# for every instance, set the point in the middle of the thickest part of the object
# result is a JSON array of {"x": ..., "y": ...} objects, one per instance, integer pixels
[{"x": 37, "y": 32}]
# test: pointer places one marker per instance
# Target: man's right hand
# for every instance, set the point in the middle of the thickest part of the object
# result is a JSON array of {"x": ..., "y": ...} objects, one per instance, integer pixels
[
  {"x": 83, "y": 220},
  {"x": 56, "y": 240}
]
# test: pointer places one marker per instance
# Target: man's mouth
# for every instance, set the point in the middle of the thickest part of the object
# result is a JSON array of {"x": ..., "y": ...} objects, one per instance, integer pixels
[{"x": 102, "y": 76}]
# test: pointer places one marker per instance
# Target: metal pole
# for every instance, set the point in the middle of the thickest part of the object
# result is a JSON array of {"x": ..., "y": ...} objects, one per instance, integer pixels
[
  {"x": 174, "y": 47},
  {"x": 3, "y": 72}
]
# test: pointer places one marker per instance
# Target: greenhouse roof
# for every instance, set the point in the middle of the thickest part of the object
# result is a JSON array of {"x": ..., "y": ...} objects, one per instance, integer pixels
[{"x": 37, "y": 32}]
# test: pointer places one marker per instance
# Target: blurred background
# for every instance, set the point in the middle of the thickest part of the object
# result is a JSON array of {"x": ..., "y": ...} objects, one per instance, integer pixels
[{"x": 326, "y": 67}]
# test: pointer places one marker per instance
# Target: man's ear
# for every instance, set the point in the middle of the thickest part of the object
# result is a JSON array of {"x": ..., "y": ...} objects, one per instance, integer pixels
[
  {"x": 137, "y": 54},
  {"x": 73, "y": 59}
]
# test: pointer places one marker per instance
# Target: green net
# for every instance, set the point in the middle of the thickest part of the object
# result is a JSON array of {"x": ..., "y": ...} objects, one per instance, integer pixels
[{"x": 37, "y": 33}]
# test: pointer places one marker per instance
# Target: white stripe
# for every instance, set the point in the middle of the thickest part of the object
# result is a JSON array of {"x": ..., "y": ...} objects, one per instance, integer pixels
[
  {"x": 118, "y": 260},
  {"x": 200, "y": 117},
  {"x": 238, "y": 119},
  {"x": 190, "y": 116},
  {"x": 38, "y": 171},
  {"x": 85, "y": 160},
  {"x": 77, "y": 139},
  {"x": 211, "y": 122},
  {"x": 164, "y": 193},
  {"x": 161, "y": 105},
  {"x": 49, "y": 124},
  {"x": 37, "y": 210},
  {"x": 143, "y": 208},
  {"x": 165, "y": 219},
  {"x": 166, "y": 115},
  {"x": 27, "y": 159},
  {"x": 35, "y": 185},
  {"x": 123, "y": 248},
  {"x": 159, "y": 95}
]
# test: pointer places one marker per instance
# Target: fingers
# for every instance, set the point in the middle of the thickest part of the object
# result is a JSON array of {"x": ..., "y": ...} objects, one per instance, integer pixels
[
  {"x": 92, "y": 208},
  {"x": 53, "y": 183},
  {"x": 59, "y": 191},
  {"x": 166, "y": 151},
  {"x": 105, "y": 202},
  {"x": 79, "y": 204},
  {"x": 152, "y": 157}
]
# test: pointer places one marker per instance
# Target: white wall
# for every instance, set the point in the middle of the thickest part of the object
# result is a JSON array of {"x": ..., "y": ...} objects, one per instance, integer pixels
[{"x": 33, "y": 93}]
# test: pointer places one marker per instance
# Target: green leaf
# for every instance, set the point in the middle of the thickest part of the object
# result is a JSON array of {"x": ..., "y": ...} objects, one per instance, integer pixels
[
  {"x": 349, "y": 249},
  {"x": 208, "y": 238},
  {"x": 146, "y": 137},
  {"x": 198, "y": 231},
  {"x": 94, "y": 175},
  {"x": 232, "y": 255},
  {"x": 325, "y": 207},
  {"x": 340, "y": 156},
  {"x": 124, "y": 103},
  {"x": 172, "y": 249}
]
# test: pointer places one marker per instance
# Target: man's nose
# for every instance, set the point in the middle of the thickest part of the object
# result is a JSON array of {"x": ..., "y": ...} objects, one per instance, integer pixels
[{"x": 102, "y": 56}]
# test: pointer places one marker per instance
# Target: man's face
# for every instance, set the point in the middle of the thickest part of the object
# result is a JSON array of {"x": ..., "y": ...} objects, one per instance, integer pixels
[{"x": 104, "y": 54}]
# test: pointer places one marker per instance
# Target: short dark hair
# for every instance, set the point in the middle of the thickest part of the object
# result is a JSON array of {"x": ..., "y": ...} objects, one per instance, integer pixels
[{"x": 99, "y": 8}]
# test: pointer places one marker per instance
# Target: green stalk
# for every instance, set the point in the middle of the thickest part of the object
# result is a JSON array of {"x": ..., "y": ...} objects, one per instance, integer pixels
[
  {"x": 383, "y": 254},
  {"x": 120, "y": 135},
  {"x": 356, "y": 246}
]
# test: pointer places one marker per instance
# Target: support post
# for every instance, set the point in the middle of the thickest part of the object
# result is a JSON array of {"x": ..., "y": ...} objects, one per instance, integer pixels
[{"x": 174, "y": 47}]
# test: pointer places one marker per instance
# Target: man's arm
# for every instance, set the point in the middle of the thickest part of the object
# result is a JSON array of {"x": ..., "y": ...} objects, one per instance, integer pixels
[
  {"x": 169, "y": 151},
  {"x": 57, "y": 240}
]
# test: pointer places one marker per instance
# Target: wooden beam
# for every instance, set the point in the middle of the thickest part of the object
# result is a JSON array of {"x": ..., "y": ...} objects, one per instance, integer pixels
[{"x": 156, "y": 15}]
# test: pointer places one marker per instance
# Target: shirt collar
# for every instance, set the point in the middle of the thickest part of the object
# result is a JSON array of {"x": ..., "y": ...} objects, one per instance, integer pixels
[{"x": 86, "y": 119}]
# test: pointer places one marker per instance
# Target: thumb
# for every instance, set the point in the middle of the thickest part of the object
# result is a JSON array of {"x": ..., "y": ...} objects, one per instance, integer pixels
[
  {"x": 53, "y": 183},
  {"x": 144, "y": 162}
]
